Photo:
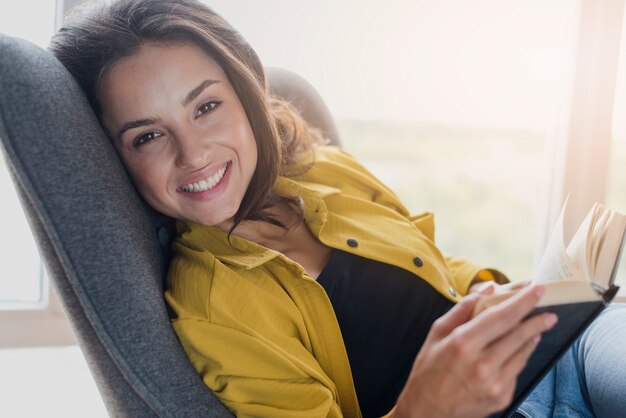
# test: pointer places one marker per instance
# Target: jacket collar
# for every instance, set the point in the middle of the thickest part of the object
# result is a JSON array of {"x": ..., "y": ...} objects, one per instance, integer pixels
[
  {"x": 232, "y": 249},
  {"x": 243, "y": 253}
]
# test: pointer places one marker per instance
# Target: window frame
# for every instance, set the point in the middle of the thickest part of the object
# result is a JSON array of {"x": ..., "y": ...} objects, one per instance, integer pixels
[{"x": 38, "y": 324}]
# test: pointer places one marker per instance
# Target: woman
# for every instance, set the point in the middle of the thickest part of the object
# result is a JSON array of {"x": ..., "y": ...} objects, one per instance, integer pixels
[{"x": 300, "y": 284}]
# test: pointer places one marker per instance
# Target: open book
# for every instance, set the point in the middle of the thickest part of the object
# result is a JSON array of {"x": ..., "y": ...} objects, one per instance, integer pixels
[
  {"x": 584, "y": 270},
  {"x": 579, "y": 283}
]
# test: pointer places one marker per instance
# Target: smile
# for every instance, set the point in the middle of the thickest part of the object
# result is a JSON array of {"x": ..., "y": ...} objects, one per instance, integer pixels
[{"x": 206, "y": 184}]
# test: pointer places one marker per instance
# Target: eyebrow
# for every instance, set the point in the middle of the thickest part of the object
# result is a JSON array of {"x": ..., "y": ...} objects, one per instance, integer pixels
[
  {"x": 196, "y": 92},
  {"x": 149, "y": 121},
  {"x": 132, "y": 125}
]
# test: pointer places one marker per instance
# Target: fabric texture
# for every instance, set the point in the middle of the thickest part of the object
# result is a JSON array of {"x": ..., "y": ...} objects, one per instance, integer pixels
[
  {"x": 384, "y": 313},
  {"x": 260, "y": 331},
  {"x": 86, "y": 216},
  {"x": 590, "y": 379}
]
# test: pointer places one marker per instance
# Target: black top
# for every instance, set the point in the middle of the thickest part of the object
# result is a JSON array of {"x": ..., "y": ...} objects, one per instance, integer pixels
[{"x": 384, "y": 313}]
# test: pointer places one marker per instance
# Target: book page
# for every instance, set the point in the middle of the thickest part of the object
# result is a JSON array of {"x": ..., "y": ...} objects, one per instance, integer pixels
[
  {"x": 556, "y": 265},
  {"x": 610, "y": 236},
  {"x": 595, "y": 247},
  {"x": 567, "y": 271},
  {"x": 568, "y": 292},
  {"x": 582, "y": 249},
  {"x": 598, "y": 240}
]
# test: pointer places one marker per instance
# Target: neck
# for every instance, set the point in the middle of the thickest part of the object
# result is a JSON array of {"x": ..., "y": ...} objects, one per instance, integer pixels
[
  {"x": 267, "y": 234},
  {"x": 295, "y": 241}
]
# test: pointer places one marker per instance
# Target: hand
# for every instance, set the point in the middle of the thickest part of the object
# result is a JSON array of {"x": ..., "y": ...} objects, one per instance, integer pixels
[
  {"x": 493, "y": 293},
  {"x": 468, "y": 367},
  {"x": 481, "y": 286}
]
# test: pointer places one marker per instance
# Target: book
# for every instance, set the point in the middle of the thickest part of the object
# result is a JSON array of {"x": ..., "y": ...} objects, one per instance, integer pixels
[{"x": 579, "y": 280}]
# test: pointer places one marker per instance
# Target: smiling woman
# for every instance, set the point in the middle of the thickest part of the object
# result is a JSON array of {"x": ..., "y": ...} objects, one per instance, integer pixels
[
  {"x": 451, "y": 69},
  {"x": 268, "y": 316},
  {"x": 187, "y": 144}
]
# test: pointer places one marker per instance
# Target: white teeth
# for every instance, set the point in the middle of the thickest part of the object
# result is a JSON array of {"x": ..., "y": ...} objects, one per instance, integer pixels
[{"x": 207, "y": 184}]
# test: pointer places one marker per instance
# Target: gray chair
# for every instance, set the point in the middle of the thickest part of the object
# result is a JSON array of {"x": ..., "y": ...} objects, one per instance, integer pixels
[{"x": 105, "y": 250}]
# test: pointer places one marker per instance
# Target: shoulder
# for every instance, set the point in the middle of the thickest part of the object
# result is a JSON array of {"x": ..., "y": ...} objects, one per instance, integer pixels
[
  {"x": 325, "y": 157},
  {"x": 337, "y": 168},
  {"x": 333, "y": 166},
  {"x": 189, "y": 276}
]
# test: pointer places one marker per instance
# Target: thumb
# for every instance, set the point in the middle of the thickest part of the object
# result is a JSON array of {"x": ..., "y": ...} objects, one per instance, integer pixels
[{"x": 458, "y": 315}]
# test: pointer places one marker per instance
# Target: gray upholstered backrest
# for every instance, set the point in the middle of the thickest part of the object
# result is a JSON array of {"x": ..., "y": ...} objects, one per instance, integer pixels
[
  {"x": 105, "y": 250},
  {"x": 99, "y": 245}
]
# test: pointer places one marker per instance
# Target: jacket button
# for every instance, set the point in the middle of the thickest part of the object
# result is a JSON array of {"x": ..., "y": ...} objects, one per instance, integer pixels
[
  {"x": 418, "y": 262},
  {"x": 353, "y": 243},
  {"x": 452, "y": 291}
]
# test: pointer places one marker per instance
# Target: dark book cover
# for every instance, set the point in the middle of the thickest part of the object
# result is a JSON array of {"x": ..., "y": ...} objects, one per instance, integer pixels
[{"x": 574, "y": 318}]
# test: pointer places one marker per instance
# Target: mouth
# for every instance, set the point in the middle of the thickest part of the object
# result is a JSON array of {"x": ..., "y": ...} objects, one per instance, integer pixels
[{"x": 208, "y": 183}]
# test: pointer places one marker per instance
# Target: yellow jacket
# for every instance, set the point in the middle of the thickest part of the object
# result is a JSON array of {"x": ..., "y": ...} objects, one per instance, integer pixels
[{"x": 261, "y": 332}]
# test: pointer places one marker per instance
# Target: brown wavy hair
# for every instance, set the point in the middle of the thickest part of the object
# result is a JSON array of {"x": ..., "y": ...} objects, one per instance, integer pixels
[{"x": 96, "y": 35}]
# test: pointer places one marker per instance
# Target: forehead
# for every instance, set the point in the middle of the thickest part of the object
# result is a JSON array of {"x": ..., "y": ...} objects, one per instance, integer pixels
[
  {"x": 174, "y": 61},
  {"x": 154, "y": 78}
]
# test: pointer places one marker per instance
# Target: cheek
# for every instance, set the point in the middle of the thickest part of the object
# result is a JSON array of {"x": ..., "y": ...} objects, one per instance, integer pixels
[
  {"x": 253, "y": 156},
  {"x": 249, "y": 145},
  {"x": 150, "y": 180},
  {"x": 252, "y": 147}
]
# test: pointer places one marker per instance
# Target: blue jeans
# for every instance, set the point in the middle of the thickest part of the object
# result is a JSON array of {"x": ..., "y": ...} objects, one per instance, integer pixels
[{"x": 590, "y": 379}]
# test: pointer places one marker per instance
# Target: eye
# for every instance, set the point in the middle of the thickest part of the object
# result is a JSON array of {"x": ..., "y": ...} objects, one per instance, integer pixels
[
  {"x": 146, "y": 138},
  {"x": 207, "y": 107}
]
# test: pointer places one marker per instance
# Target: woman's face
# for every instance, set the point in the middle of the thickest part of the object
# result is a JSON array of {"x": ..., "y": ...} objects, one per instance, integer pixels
[{"x": 181, "y": 132}]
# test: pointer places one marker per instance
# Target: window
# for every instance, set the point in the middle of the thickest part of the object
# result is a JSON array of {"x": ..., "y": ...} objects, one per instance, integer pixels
[
  {"x": 29, "y": 312},
  {"x": 57, "y": 378},
  {"x": 21, "y": 278},
  {"x": 616, "y": 194},
  {"x": 452, "y": 104}
]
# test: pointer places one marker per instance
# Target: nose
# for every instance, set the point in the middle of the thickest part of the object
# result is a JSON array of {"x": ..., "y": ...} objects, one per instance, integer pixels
[{"x": 192, "y": 151}]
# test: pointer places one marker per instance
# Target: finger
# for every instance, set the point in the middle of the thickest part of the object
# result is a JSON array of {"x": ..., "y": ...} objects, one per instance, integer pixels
[
  {"x": 483, "y": 288},
  {"x": 498, "y": 320},
  {"x": 498, "y": 391},
  {"x": 500, "y": 351},
  {"x": 458, "y": 315},
  {"x": 514, "y": 285},
  {"x": 516, "y": 363},
  {"x": 487, "y": 289}
]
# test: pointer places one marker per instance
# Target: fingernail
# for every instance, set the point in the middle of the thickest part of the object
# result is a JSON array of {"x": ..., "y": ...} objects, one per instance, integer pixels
[
  {"x": 550, "y": 320},
  {"x": 537, "y": 338}
]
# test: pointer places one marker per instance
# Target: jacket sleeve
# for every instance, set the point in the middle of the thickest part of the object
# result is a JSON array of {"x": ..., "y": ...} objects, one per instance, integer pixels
[
  {"x": 464, "y": 271},
  {"x": 261, "y": 380}
]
